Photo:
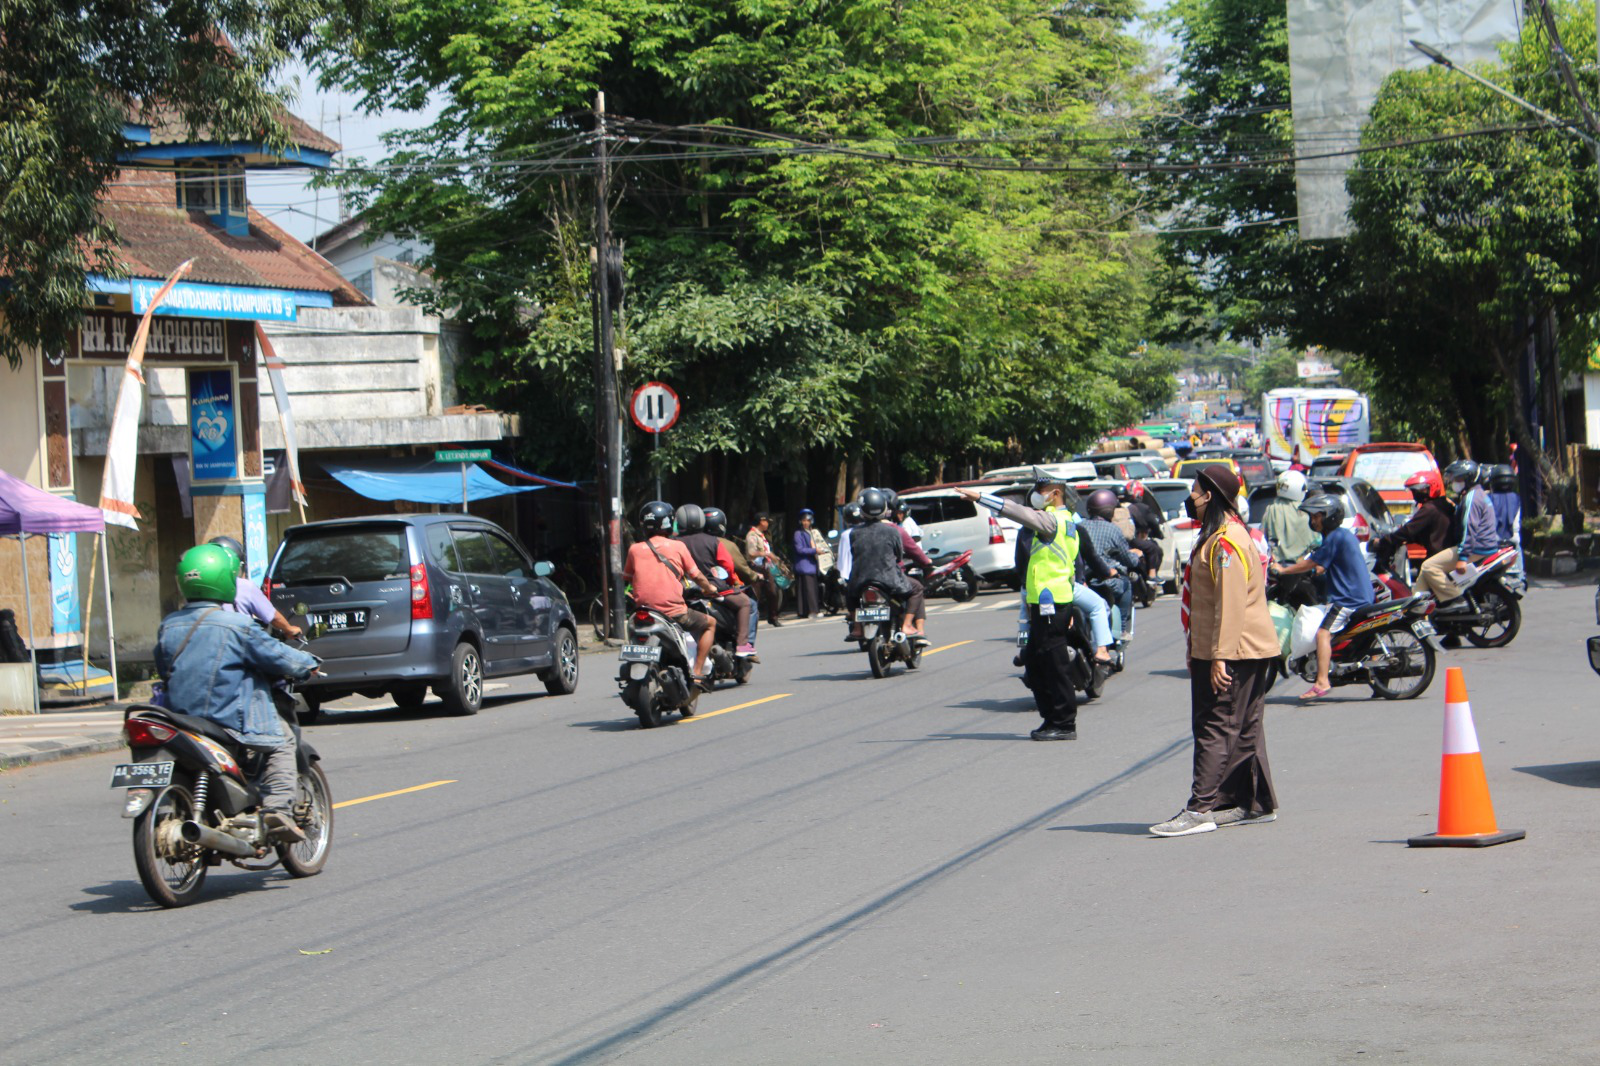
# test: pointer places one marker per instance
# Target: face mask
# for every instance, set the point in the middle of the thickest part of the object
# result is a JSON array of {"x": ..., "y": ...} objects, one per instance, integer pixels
[
  {"x": 1038, "y": 501},
  {"x": 1457, "y": 487},
  {"x": 1189, "y": 508}
]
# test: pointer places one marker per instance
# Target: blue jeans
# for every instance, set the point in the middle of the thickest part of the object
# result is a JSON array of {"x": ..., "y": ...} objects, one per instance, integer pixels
[
  {"x": 1119, "y": 590},
  {"x": 1092, "y": 605}
]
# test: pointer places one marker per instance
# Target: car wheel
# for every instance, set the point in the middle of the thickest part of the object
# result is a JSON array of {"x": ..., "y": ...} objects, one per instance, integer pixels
[
  {"x": 562, "y": 678},
  {"x": 463, "y": 692}
]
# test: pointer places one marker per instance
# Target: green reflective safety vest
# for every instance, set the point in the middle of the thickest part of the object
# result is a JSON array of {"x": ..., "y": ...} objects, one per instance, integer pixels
[{"x": 1053, "y": 565}]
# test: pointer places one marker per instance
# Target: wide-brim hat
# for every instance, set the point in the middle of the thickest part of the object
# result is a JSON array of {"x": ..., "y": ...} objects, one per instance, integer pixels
[{"x": 1222, "y": 479}]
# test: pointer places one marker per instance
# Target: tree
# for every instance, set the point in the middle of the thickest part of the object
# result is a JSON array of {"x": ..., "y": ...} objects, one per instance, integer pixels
[
  {"x": 808, "y": 301},
  {"x": 70, "y": 76}
]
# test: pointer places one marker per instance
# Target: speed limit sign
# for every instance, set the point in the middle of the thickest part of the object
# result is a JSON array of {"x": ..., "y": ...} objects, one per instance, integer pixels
[{"x": 654, "y": 407}]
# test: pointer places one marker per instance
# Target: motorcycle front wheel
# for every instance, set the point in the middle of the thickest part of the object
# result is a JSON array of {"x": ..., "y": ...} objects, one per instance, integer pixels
[
  {"x": 1412, "y": 662},
  {"x": 171, "y": 870},
  {"x": 313, "y": 813},
  {"x": 1500, "y": 605}
]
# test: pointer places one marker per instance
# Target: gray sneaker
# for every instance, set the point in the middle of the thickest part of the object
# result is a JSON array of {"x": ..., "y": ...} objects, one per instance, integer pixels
[
  {"x": 1231, "y": 816},
  {"x": 1184, "y": 823}
]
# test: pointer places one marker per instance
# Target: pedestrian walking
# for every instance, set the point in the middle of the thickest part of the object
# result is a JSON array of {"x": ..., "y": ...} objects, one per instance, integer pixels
[
  {"x": 806, "y": 571},
  {"x": 1231, "y": 645}
]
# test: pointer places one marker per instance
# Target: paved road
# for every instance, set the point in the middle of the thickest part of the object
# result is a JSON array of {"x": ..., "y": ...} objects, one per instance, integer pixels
[{"x": 854, "y": 871}]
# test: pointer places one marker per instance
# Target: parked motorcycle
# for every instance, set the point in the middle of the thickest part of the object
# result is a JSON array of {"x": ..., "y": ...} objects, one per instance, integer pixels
[
  {"x": 656, "y": 672},
  {"x": 1390, "y": 645},
  {"x": 1493, "y": 613},
  {"x": 885, "y": 643},
  {"x": 192, "y": 794}
]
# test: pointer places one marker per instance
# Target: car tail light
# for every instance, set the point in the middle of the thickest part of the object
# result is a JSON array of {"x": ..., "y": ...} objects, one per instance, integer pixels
[
  {"x": 1186, "y": 523},
  {"x": 266, "y": 588},
  {"x": 1363, "y": 531},
  {"x": 421, "y": 600},
  {"x": 996, "y": 536},
  {"x": 143, "y": 733}
]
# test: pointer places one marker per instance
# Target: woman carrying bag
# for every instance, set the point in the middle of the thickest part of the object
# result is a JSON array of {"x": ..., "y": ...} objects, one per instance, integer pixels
[{"x": 1231, "y": 645}]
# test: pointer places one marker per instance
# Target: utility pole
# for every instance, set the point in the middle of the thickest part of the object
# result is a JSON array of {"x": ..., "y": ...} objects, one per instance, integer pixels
[{"x": 609, "y": 431}]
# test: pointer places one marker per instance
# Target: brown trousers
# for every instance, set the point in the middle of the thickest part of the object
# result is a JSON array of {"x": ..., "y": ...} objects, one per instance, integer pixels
[{"x": 1230, "y": 740}]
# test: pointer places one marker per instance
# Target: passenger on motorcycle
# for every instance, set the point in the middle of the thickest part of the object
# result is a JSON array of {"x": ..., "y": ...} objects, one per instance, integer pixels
[
  {"x": 717, "y": 526},
  {"x": 1348, "y": 588},
  {"x": 658, "y": 567},
  {"x": 715, "y": 562},
  {"x": 877, "y": 548},
  {"x": 216, "y": 663},
  {"x": 1288, "y": 533},
  {"x": 1148, "y": 525},
  {"x": 249, "y": 598},
  {"x": 1506, "y": 502},
  {"x": 1472, "y": 536},
  {"x": 1429, "y": 524},
  {"x": 1113, "y": 547}
]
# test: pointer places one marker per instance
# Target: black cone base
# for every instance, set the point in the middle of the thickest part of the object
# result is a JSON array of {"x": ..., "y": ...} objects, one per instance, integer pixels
[{"x": 1478, "y": 840}]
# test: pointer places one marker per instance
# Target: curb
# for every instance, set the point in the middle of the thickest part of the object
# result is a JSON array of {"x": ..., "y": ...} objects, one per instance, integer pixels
[{"x": 17, "y": 756}]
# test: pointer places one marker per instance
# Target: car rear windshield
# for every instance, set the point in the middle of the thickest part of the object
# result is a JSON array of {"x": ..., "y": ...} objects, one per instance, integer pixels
[
  {"x": 1169, "y": 499},
  {"x": 1254, "y": 469},
  {"x": 1389, "y": 470},
  {"x": 354, "y": 553}
]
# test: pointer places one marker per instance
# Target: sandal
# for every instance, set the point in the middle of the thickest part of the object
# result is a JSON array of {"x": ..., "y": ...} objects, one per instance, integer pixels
[{"x": 1315, "y": 693}]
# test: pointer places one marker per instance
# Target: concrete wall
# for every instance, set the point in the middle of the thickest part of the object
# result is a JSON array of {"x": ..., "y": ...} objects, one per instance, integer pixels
[{"x": 357, "y": 362}]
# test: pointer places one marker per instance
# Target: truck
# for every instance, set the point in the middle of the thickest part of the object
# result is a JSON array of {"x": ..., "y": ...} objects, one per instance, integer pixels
[{"x": 1300, "y": 424}]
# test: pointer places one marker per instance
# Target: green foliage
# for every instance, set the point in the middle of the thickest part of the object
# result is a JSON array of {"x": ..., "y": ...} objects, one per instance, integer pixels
[
  {"x": 69, "y": 74},
  {"x": 801, "y": 302}
]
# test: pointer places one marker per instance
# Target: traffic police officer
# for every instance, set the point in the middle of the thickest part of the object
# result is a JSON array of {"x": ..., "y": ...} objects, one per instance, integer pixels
[{"x": 1052, "y": 561}]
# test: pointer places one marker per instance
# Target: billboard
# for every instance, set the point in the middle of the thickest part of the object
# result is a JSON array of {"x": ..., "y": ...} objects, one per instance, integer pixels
[{"x": 1340, "y": 51}]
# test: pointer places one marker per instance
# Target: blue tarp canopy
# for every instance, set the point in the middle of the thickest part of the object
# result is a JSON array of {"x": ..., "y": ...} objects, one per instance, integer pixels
[{"x": 421, "y": 482}]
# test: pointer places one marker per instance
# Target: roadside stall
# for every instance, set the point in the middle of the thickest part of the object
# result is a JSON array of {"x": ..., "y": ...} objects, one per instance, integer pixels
[{"x": 28, "y": 511}]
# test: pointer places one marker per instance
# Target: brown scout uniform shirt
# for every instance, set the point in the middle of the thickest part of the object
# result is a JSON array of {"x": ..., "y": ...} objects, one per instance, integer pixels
[{"x": 1228, "y": 616}]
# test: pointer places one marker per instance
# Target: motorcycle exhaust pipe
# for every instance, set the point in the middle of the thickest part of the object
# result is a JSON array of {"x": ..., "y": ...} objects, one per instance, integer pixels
[{"x": 207, "y": 837}]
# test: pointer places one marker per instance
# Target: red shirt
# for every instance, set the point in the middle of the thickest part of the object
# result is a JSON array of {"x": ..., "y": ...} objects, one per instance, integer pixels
[{"x": 656, "y": 586}]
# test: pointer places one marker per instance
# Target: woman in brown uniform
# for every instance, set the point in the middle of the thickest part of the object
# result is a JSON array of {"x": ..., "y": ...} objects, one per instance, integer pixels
[{"x": 1230, "y": 651}]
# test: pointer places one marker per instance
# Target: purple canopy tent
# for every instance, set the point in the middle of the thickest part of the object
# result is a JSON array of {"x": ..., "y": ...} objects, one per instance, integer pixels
[{"x": 27, "y": 510}]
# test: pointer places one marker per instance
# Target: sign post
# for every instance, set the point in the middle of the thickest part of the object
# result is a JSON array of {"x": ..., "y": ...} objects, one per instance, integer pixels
[
  {"x": 464, "y": 456},
  {"x": 655, "y": 409}
]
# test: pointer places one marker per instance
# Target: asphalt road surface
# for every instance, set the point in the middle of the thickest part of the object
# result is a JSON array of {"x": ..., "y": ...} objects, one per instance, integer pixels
[{"x": 853, "y": 871}]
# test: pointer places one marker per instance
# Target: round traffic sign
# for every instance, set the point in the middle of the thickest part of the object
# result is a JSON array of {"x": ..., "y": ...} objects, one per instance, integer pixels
[{"x": 654, "y": 407}]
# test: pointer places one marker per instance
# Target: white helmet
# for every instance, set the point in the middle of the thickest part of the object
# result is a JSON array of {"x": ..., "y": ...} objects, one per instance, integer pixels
[{"x": 1292, "y": 486}]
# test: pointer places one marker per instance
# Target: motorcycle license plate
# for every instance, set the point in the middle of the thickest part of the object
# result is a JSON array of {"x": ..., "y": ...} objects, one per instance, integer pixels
[
  {"x": 334, "y": 621},
  {"x": 141, "y": 775},
  {"x": 872, "y": 614},
  {"x": 1423, "y": 629},
  {"x": 641, "y": 653}
]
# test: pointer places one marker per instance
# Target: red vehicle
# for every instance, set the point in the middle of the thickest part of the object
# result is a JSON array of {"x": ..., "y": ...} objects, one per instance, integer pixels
[{"x": 1386, "y": 467}]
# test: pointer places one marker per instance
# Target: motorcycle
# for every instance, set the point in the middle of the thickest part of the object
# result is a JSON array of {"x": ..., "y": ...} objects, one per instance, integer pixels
[
  {"x": 192, "y": 793},
  {"x": 952, "y": 575},
  {"x": 1390, "y": 645},
  {"x": 1493, "y": 614},
  {"x": 724, "y": 663},
  {"x": 656, "y": 671},
  {"x": 1089, "y": 676},
  {"x": 886, "y": 644}
]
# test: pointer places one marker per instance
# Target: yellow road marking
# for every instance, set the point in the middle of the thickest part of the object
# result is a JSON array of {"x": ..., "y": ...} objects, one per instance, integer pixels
[
  {"x": 739, "y": 707},
  {"x": 396, "y": 792},
  {"x": 946, "y": 647}
]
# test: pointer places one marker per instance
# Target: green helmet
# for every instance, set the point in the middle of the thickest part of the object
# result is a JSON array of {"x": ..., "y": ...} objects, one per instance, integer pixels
[{"x": 208, "y": 572}]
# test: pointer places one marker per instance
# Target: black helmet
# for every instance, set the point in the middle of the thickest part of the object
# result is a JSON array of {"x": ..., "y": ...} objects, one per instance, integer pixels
[
  {"x": 1329, "y": 507},
  {"x": 690, "y": 518},
  {"x": 891, "y": 500},
  {"x": 852, "y": 514},
  {"x": 874, "y": 505},
  {"x": 716, "y": 521},
  {"x": 655, "y": 517},
  {"x": 1102, "y": 503},
  {"x": 1502, "y": 478},
  {"x": 231, "y": 546},
  {"x": 1462, "y": 470}
]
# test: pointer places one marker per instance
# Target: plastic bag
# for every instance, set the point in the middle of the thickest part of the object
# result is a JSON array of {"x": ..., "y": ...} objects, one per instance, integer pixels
[
  {"x": 1283, "y": 624},
  {"x": 1303, "y": 639}
]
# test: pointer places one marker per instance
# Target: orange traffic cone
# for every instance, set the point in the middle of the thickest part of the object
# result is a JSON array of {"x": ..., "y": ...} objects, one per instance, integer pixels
[{"x": 1466, "y": 817}]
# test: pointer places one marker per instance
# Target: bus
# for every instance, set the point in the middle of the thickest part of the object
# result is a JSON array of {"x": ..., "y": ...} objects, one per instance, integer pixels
[{"x": 1300, "y": 424}]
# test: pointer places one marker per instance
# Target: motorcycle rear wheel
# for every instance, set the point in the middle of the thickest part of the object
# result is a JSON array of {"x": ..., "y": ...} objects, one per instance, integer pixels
[
  {"x": 307, "y": 859},
  {"x": 876, "y": 657},
  {"x": 1097, "y": 682},
  {"x": 170, "y": 882},
  {"x": 642, "y": 699},
  {"x": 970, "y": 579},
  {"x": 1496, "y": 601},
  {"x": 741, "y": 671},
  {"x": 1404, "y": 644}
]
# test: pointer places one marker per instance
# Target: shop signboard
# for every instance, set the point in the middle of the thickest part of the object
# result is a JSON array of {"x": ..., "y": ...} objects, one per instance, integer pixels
[{"x": 212, "y": 437}]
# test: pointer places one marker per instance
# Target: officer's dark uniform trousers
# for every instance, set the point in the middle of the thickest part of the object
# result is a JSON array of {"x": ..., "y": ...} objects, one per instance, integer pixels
[{"x": 1047, "y": 667}]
